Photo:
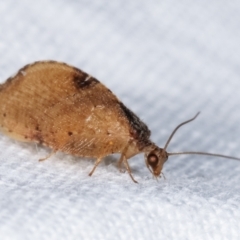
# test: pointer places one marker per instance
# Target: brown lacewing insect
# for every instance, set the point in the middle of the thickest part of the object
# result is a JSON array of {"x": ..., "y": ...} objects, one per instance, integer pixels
[{"x": 66, "y": 109}]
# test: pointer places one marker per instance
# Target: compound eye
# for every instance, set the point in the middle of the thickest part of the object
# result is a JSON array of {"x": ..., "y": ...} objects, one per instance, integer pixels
[{"x": 152, "y": 160}]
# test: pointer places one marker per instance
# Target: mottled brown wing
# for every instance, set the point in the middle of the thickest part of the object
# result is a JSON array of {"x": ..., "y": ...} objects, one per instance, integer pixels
[{"x": 64, "y": 108}]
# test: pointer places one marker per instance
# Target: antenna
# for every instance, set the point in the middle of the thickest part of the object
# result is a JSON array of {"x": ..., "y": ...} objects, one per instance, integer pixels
[
  {"x": 190, "y": 152},
  {"x": 174, "y": 131}
]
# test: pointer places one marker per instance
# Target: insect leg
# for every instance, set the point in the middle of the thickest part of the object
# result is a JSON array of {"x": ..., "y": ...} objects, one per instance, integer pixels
[
  {"x": 122, "y": 157},
  {"x": 125, "y": 161},
  {"x": 120, "y": 163},
  {"x": 95, "y": 166},
  {"x": 48, "y": 156}
]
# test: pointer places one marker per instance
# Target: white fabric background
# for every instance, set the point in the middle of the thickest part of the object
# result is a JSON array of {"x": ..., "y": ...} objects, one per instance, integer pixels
[{"x": 166, "y": 60}]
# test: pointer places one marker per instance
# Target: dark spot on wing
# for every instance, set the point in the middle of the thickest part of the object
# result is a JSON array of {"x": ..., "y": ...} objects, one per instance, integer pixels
[
  {"x": 81, "y": 80},
  {"x": 138, "y": 129},
  {"x": 38, "y": 137},
  {"x": 109, "y": 91}
]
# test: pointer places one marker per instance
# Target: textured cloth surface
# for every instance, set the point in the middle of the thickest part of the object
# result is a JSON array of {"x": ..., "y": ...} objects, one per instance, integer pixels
[{"x": 165, "y": 60}]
